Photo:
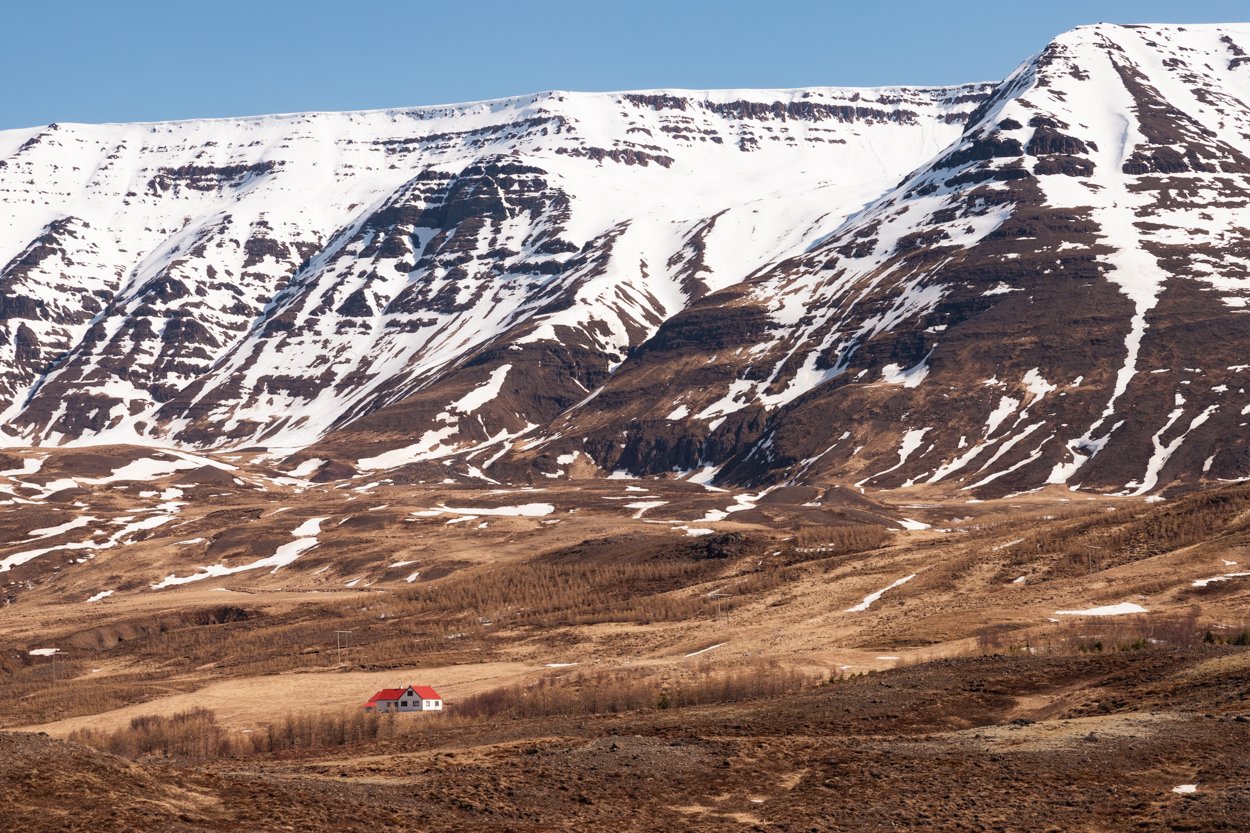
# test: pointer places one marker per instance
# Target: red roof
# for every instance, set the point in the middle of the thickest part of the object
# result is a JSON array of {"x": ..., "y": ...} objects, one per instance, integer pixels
[
  {"x": 422, "y": 691},
  {"x": 387, "y": 694}
]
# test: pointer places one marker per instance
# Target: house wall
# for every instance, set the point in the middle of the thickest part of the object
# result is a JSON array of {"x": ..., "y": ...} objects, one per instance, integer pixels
[{"x": 416, "y": 704}]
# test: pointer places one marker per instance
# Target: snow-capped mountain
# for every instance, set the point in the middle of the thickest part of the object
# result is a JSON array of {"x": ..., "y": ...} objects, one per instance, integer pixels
[
  {"x": 1056, "y": 298},
  {"x": 261, "y": 281},
  {"x": 992, "y": 287}
]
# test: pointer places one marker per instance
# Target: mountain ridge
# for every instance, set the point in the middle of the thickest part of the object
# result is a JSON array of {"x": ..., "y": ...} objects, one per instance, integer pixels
[
  {"x": 432, "y": 188},
  {"x": 755, "y": 286},
  {"x": 990, "y": 161}
]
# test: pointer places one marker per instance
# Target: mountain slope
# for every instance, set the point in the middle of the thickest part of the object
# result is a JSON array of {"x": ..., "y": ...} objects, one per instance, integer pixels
[
  {"x": 263, "y": 280},
  {"x": 1043, "y": 283},
  {"x": 1057, "y": 298}
]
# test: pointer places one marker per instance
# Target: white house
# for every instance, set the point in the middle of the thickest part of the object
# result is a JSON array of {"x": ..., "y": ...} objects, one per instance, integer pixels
[{"x": 414, "y": 698}]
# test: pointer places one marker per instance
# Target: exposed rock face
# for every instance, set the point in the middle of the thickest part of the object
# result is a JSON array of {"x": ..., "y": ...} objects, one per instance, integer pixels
[
  {"x": 266, "y": 280},
  {"x": 1057, "y": 298},
  {"x": 998, "y": 288}
]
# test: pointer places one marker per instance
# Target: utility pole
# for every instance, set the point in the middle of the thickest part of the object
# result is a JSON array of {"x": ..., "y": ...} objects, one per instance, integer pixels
[
  {"x": 1089, "y": 558},
  {"x": 341, "y": 641}
]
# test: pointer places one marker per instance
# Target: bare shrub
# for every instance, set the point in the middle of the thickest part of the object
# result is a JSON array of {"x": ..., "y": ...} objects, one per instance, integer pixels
[
  {"x": 618, "y": 691},
  {"x": 190, "y": 734},
  {"x": 1098, "y": 634},
  {"x": 196, "y": 735},
  {"x": 532, "y": 593},
  {"x": 1081, "y": 544},
  {"x": 842, "y": 539}
]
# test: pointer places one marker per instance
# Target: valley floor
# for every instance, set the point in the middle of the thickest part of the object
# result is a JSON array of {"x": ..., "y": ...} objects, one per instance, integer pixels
[
  {"x": 1091, "y": 743},
  {"x": 644, "y": 655}
]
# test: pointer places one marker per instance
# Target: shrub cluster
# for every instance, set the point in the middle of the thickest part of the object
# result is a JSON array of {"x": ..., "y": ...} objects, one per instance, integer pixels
[{"x": 196, "y": 734}]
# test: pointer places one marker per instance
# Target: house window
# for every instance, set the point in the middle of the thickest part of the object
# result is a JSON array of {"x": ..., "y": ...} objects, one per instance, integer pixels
[{"x": 404, "y": 703}]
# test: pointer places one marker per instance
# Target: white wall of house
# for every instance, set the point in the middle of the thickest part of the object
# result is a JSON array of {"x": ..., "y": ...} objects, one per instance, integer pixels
[{"x": 410, "y": 702}]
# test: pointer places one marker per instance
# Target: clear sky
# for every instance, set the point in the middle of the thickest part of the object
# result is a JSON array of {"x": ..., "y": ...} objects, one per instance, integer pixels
[{"x": 130, "y": 60}]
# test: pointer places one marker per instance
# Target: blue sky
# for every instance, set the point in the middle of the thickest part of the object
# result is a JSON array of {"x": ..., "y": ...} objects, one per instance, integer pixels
[{"x": 128, "y": 60}]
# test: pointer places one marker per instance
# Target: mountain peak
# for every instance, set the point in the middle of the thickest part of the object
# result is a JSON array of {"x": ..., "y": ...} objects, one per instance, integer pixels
[{"x": 1039, "y": 283}]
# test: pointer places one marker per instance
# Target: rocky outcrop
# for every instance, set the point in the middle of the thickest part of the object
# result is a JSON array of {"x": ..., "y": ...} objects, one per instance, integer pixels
[{"x": 1055, "y": 300}]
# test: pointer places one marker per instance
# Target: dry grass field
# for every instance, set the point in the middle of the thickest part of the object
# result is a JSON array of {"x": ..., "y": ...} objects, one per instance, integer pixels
[{"x": 649, "y": 655}]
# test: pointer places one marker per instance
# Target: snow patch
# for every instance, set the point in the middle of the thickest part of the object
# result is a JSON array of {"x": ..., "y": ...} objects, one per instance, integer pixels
[
  {"x": 708, "y": 648},
  {"x": 285, "y": 554},
  {"x": 1203, "y": 582},
  {"x": 307, "y": 467},
  {"x": 893, "y": 374},
  {"x": 525, "y": 510},
  {"x": 483, "y": 393},
  {"x": 872, "y": 597},
  {"x": 1122, "y": 609}
]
